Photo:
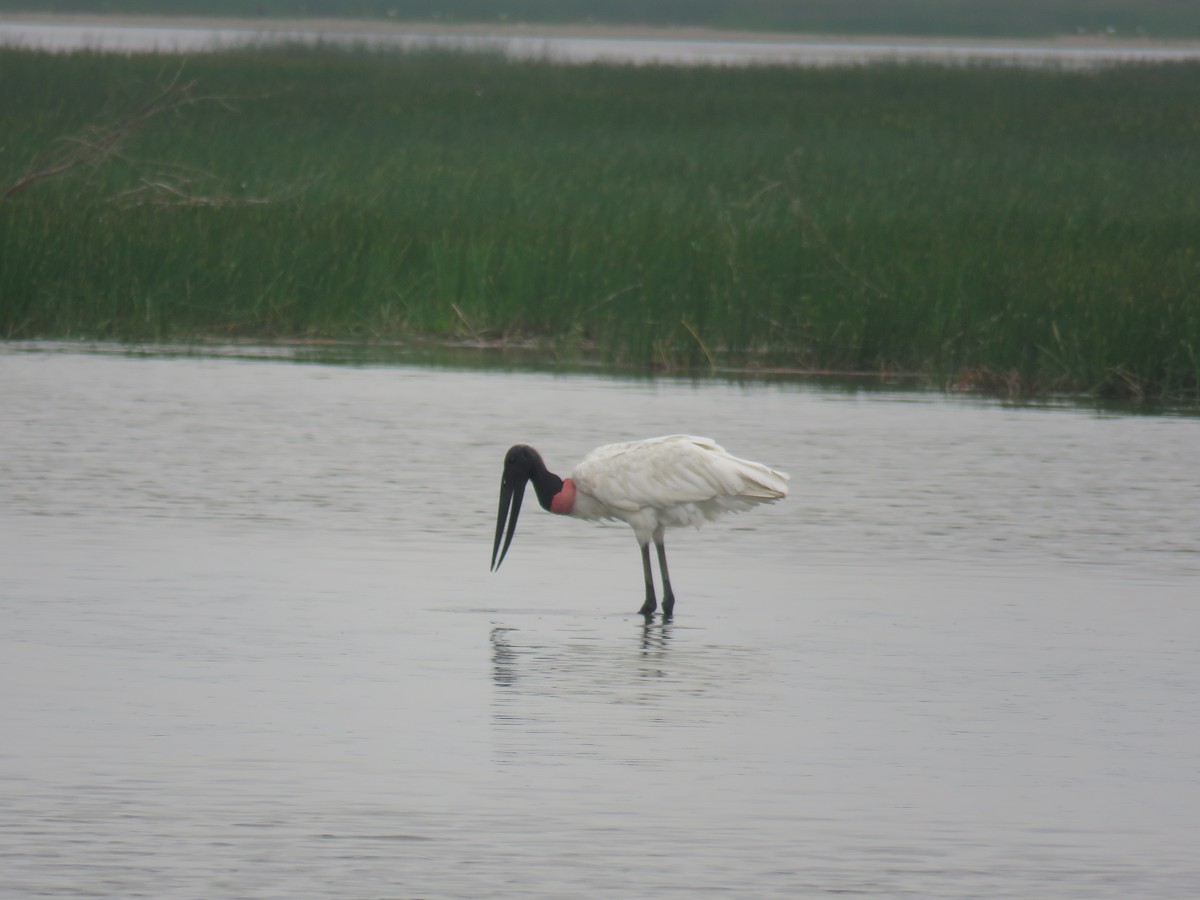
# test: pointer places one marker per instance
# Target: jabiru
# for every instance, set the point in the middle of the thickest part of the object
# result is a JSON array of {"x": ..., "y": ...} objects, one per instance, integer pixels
[{"x": 652, "y": 485}]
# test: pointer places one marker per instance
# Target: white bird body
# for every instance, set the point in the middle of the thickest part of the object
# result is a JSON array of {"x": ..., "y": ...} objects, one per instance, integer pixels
[
  {"x": 652, "y": 485},
  {"x": 668, "y": 482}
]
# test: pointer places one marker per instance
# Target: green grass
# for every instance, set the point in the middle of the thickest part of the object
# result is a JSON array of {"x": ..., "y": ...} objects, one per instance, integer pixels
[
  {"x": 987, "y": 18},
  {"x": 1034, "y": 230}
]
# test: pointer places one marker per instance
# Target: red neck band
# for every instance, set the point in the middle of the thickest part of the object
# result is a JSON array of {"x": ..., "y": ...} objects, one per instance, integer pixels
[{"x": 564, "y": 501}]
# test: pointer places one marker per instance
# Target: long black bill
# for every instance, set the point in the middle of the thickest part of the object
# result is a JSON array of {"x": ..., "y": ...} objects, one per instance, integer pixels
[{"x": 512, "y": 492}]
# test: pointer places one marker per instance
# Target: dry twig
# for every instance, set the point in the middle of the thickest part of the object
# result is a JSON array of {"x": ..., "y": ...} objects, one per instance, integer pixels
[{"x": 97, "y": 144}]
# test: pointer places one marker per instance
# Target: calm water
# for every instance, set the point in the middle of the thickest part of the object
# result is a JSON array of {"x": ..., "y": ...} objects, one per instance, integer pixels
[
  {"x": 251, "y": 646},
  {"x": 566, "y": 48}
]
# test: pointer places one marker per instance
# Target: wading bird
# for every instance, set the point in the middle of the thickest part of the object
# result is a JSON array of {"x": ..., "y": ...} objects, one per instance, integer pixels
[{"x": 652, "y": 485}]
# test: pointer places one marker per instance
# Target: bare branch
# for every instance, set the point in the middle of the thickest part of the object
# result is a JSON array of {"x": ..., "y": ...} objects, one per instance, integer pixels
[
  {"x": 162, "y": 193},
  {"x": 101, "y": 142}
]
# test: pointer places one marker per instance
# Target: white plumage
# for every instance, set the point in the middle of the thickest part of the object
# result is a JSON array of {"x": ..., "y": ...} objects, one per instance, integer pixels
[
  {"x": 668, "y": 482},
  {"x": 652, "y": 485}
]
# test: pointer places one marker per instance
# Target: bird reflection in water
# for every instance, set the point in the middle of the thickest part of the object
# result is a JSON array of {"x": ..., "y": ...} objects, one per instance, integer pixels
[
  {"x": 580, "y": 665},
  {"x": 504, "y": 658},
  {"x": 656, "y": 638}
]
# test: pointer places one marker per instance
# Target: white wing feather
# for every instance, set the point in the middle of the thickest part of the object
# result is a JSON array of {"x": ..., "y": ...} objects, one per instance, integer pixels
[{"x": 687, "y": 479}]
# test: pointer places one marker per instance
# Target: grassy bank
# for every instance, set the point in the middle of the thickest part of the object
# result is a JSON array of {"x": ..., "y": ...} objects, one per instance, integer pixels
[
  {"x": 1032, "y": 229},
  {"x": 981, "y": 18}
]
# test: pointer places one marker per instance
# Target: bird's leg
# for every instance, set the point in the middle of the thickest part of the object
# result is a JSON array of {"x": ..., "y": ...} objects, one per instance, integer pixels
[
  {"x": 651, "y": 603},
  {"x": 668, "y": 594}
]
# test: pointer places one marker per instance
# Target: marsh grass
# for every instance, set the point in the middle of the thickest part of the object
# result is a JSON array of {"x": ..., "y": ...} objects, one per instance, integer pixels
[{"x": 1031, "y": 231}]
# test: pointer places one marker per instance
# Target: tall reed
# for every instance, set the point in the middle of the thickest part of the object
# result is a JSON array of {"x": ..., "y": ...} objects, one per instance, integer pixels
[{"x": 1038, "y": 230}]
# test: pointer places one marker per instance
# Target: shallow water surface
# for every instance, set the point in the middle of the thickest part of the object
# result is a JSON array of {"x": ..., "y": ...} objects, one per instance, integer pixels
[{"x": 251, "y": 646}]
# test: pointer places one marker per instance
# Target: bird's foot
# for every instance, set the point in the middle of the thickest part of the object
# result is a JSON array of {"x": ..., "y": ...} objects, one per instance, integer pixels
[
  {"x": 648, "y": 608},
  {"x": 668, "y": 607}
]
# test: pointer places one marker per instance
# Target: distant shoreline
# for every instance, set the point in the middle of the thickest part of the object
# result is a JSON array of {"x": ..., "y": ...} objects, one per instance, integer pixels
[{"x": 583, "y": 29}]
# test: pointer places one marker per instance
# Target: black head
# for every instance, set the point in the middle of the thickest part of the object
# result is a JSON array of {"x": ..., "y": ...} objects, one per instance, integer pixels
[{"x": 522, "y": 464}]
